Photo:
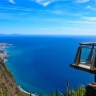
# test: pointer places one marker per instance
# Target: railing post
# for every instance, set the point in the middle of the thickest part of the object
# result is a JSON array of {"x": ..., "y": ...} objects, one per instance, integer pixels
[
  {"x": 93, "y": 62},
  {"x": 78, "y": 55},
  {"x": 91, "y": 52}
]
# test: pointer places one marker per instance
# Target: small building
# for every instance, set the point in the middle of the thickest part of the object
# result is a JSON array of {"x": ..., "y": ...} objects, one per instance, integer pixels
[{"x": 86, "y": 57}]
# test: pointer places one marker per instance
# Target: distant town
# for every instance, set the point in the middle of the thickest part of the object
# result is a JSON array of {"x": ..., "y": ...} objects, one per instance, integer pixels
[{"x": 3, "y": 54}]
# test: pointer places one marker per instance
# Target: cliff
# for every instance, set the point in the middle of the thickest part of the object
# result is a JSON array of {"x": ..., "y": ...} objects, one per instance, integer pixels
[{"x": 8, "y": 86}]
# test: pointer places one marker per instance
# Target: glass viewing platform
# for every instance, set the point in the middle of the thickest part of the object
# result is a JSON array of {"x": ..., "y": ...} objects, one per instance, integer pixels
[{"x": 86, "y": 57}]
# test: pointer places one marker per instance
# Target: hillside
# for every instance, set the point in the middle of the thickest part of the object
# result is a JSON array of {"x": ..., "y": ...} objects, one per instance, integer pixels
[{"x": 8, "y": 86}]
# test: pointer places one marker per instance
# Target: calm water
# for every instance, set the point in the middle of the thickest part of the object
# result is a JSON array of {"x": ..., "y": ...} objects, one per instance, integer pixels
[{"x": 41, "y": 63}]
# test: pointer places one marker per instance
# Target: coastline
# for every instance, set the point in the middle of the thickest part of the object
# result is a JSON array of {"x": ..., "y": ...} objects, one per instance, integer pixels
[
  {"x": 23, "y": 90},
  {"x": 3, "y": 57},
  {"x": 20, "y": 88}
]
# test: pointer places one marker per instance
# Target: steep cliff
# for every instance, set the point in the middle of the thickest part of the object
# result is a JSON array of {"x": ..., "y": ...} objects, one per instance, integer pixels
[{"x": 8, "y": 86}]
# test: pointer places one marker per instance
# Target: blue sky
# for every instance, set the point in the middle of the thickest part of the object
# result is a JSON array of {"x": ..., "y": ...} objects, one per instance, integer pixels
[{"x": 48, "y": 17}]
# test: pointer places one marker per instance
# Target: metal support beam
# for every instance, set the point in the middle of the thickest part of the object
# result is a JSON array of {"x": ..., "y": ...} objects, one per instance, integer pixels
[
  {"x": 93, "y": 62},
  {"x": 91, "y": 53},
  {"x": 78, "y": 55}
]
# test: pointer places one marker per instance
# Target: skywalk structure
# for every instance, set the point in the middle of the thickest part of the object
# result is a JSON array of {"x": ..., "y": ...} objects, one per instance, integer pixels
[
  {"x": 86, "y": 57},
  {"x": 86, "y": 60}
]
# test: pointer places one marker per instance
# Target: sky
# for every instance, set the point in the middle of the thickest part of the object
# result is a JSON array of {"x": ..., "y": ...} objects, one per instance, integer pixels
[{"x": 48, "y": 17}]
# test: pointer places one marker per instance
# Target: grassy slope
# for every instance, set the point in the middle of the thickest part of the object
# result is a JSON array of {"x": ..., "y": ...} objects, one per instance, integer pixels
[{"x": 8, "y": 86}]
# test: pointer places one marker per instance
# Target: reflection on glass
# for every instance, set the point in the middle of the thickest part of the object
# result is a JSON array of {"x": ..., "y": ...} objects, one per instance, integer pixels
[{"x": 87, "y": 54}]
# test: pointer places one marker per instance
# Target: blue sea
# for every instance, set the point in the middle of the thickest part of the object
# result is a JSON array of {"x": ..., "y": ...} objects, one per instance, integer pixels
[{"x": 41, "y": 63}]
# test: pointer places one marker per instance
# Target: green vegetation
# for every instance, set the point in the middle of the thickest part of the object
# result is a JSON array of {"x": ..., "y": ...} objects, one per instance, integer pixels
[{"x": 80, "y": 91}]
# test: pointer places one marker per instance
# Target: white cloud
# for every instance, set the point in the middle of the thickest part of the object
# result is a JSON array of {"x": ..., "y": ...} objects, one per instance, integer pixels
[
  {"x": 91, "y": 8},
  {"x": 89, "y": 18},
  {"x": 43, "y": 2},
  {"x": 82, "y": 1},
  {"x": 47, "y": 2},
  {"x": 12, "y": 1}
]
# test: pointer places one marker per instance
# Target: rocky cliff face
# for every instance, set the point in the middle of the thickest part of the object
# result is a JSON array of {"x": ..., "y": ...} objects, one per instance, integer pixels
[{"x": 8, "y": 86}]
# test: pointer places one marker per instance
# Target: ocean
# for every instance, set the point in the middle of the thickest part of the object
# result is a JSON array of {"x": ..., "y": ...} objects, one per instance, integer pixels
[{"x": 41, "y": 63}]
